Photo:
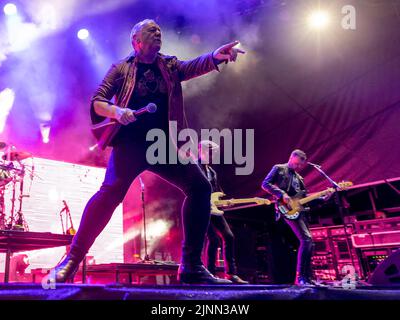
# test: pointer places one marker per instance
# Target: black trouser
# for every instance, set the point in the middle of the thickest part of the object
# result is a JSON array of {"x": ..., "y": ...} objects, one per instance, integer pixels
[
  {"x": 127, "y": 162},
  {"x": 302, "y": 232},
  {"x": 219, "y": 229}
]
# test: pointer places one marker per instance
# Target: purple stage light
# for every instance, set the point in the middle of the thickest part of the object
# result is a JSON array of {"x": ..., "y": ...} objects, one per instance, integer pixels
[
  {"x": 83, "y": 34},
  {"x": 10, "y": 9}
]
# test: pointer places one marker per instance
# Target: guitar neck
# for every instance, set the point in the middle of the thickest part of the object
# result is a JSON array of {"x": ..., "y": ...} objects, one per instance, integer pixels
[
  {"x": 313, "y": 197},
  {"x": 237, "y": 201},
  {"x": 342, "y": 185}
]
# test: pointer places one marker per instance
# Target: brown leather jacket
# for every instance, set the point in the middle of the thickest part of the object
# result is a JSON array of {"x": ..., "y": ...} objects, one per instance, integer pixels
[{"x": 120, "y": 82}]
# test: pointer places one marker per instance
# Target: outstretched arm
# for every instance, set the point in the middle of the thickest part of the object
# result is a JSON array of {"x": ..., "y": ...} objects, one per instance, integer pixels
[{"x": 208, "y": 62}]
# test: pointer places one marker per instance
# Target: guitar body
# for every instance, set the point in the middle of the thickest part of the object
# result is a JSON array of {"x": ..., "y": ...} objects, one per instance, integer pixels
[
  {"x": 215, "y": 197},
  {"x": 292, "y": 210}
]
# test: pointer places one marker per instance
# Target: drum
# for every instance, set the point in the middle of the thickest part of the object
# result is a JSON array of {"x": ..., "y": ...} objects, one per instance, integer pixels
[{"x": 5, "y": 177}]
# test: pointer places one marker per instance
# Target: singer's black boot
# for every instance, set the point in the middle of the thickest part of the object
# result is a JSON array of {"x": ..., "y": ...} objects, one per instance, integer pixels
[
  {"x": 66, "y": 270},
  {"x": 198, "y": 274}
]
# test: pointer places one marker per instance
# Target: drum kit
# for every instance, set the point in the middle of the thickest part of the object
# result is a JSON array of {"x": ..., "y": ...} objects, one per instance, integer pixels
[{"x": 12, "y": 174}]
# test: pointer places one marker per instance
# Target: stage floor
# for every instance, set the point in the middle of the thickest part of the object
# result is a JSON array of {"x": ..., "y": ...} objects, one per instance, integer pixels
[{"x": 23, "y": 291}]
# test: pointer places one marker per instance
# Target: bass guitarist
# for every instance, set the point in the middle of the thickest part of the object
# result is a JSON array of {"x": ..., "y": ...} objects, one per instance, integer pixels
[{"x": 284, "y": 182}]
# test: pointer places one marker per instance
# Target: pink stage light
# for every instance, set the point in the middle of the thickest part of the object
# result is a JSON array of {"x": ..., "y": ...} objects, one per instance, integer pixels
[
  {"x": 45, "y": 131},
  {"x": 53, "y": 182},
  {"x": 157, "y": 229}
]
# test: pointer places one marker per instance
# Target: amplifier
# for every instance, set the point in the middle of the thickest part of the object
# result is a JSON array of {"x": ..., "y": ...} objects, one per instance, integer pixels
[
  {"x": 325, "y": 268},
  {"x": 322, "y": 265},
  {"x": 333, "y": 251},
  {"x": 376, "y": 239},
  {"x": 328, "y": 232},
  {"x": 368, "y": 226},
  {"x": 373, "y": 257}
]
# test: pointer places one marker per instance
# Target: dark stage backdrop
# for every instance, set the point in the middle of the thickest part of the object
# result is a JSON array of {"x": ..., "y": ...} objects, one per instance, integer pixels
[
  {"x": 334, "y": 94},
  {"x": 341, "y": 105}
]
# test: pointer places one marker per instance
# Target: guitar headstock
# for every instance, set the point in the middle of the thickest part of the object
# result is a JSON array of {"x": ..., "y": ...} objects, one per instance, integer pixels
[
  {"x": 342, "y": 186},
  {"x": 345, "y": 184},
  {"x": 261, "y": 201}
]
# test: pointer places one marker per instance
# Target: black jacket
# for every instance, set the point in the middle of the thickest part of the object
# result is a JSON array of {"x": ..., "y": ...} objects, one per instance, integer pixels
[
  {"x": 277, "y": 183},
  {"x": 278, "y": 179}
]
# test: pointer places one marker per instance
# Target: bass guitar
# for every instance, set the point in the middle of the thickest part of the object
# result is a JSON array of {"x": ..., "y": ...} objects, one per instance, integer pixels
[{"x": 296, "y": 204}]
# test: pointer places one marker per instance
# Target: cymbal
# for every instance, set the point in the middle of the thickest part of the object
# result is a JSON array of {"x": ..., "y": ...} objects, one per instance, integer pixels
[
  {"x": 2, "y": 145},
  {"x": 16, "y": 155}
]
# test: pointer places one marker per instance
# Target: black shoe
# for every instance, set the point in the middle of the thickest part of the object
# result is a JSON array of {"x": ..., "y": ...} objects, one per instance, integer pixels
[
  {"x": 66, "y": 270},
  {"x": 235, "y": 279},
  {"x": 317, "y": 284},
  {"x": 198, "y": 274},
  {"x": 303, "y": 282}
]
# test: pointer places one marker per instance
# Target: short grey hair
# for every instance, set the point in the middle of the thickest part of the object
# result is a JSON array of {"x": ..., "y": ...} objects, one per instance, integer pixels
[
  {"x": 299, "y": 153},
  {"x": 138, "y": 26}
]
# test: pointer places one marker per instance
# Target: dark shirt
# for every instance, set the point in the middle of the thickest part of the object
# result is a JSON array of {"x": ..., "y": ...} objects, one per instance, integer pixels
[
  {"x": 295, "y": 185},
  {"x": 149, "y": 87}
]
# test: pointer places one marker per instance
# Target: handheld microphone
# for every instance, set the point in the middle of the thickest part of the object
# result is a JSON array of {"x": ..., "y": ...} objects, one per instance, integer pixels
[{"x": 150, "y": 108}]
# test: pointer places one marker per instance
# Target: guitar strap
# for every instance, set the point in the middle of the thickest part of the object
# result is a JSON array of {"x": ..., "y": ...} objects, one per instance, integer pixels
[
  {"x": 212, "y": 177},
  {"x": 208, "y": 173},
  {"x": 290, "y": 183},
  {"x": 290, "y": 179}
]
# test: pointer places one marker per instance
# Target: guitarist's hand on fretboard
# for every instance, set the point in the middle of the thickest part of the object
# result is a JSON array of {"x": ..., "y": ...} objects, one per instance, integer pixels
[{"x": 328, "y": 195}]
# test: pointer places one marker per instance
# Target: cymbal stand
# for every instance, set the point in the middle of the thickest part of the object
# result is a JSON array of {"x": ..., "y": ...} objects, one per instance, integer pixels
[
  {"x": 21, "y": 222},
  {"x": 13, "y": 198}
]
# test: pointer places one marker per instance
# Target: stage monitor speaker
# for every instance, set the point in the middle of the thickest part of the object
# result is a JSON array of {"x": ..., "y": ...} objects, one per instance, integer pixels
[{"x": 387, "y": 273}]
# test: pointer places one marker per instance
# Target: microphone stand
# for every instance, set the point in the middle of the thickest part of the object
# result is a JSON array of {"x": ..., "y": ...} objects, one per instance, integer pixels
[
  {"x": 146, "y": 259},
  {"x": 339, "y": 204},
  {"x": 146, "y": 255},
  {"x": 62, "y": 221}
]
